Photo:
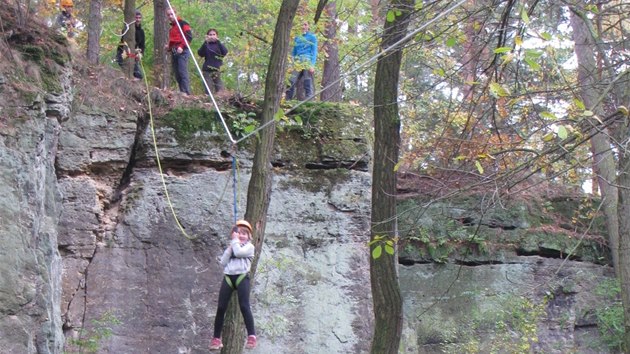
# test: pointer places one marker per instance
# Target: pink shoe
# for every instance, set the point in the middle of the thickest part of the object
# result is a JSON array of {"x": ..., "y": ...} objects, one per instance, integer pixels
[
  {"x": 216, "y": 344},
  {"x": 251, "y": 342}
]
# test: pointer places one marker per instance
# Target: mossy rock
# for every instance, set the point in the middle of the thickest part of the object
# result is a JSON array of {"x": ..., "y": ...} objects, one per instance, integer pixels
[
  {"x": 188, "y": 121},
  {"x": 325, "y": 135},
  {"x": 454, "y": 228}
]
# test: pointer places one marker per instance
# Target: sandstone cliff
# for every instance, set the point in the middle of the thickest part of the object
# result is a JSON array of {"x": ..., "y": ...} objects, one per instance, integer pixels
[{"x": 93, "y": 259}]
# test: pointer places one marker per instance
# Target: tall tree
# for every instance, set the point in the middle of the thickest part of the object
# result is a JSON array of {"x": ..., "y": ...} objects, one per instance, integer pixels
[
  {"x": 386, "y": 295},
  {"x": 94, "y": 31},
  {"x": 259, "y": 190},
  {"x": 130, "y": 35},
  {"x": 161, "y": 67},
  {"x": 614, "y": 184},
  {"x": 624, "y": 225},
  {"x": 603, "y": 159},
  {"x": 330, "y": 50},
  {"x": 613, "y": 181}
]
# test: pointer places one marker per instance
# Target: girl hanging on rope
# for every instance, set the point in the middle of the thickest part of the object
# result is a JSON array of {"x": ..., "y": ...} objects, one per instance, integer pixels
[{"x": 236, "y": 262}]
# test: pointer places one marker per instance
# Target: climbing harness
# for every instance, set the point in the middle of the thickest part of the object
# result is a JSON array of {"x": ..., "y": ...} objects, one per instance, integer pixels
[{"x": 238, "y": 280}]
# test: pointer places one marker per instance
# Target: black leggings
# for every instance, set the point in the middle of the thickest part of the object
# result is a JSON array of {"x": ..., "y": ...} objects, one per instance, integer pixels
[{"x": 243, "y": 301}]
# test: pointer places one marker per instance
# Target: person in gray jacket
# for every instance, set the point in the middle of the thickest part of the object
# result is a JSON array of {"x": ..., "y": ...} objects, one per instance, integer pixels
[{"x": 236, "y": 261}]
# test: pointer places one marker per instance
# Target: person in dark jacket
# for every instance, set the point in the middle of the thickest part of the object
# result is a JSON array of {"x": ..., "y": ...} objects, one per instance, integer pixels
[
  {"x": 65, "y": 20},
  {"x": 140, "y": 45},
  {"x": 178, "y": 43},
  {"x": 213, "y": 51}
]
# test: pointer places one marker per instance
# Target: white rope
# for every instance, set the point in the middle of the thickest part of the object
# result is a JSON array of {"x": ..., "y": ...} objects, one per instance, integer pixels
[
  {"x": 216, "y": 106},
  {"x": 369, "y": 61}
]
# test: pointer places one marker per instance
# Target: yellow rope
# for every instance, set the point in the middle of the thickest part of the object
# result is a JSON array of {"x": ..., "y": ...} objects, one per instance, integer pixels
[{"x": 157, "y": 156}]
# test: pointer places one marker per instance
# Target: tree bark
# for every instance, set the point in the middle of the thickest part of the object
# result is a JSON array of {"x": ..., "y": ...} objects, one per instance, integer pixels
[
  {"x": 161, "y": 64},
  {"x": 94, "y": 32},
  {"x": 259, "y": 190},
  {"x": 387, "y": 300},
  {"x": 603, "y": 159},
  {"x": 616, "y": 200},
  {"x": 330, "y": 49},
  {"x": 624, "y": 232},
  {"x": 130, "y": 36},
  {"x": 472, "y": 53}
]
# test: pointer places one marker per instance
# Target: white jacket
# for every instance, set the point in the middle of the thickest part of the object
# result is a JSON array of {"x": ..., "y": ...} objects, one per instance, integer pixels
[{"x": 238, "y": 258}]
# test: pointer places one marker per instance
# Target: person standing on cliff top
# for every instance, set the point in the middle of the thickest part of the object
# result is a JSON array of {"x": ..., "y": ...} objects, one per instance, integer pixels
[
  {"x": 213, "y": 51},
  {"x": 178, "y": 47},
  {"x": 304, "y": 57}
]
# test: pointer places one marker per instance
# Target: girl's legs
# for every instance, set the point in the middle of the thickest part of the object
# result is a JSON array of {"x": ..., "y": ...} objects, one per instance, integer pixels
[
  {"x": 224, "y": 299},
  {"x": 208, "y": 76},
  {"x": 216, "y": 79},
  {"x": 243, "y": 302}
]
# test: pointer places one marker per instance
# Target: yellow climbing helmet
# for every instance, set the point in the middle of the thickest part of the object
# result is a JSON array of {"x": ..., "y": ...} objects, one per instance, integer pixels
[
  {"x": 244, "y": 223},
  {"x": 66, "y": 3}
]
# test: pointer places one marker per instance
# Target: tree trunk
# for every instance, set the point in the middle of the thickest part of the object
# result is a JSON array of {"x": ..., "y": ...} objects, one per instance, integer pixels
[
  {"x": 603, "y": 159},
  {"x": 94, "y": 32},
  {"x": 161, "y": 63},
  {"x": 471, "y": 53},
  {"x": 387, "y": 300},
  {"x": 331, "y": 74},
  {"x": 130, "y": 36},
  {"x": 259, "y": 190},
  {"x": 624, "y": 233},
  {"x": 616, "y": 200}
]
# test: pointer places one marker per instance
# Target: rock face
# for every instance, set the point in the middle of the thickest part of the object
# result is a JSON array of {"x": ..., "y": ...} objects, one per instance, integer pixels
[
  {"x": 103, "y": 252},
  {"x": 141, "y": 247},
  {"x": 30, "y": 208}
]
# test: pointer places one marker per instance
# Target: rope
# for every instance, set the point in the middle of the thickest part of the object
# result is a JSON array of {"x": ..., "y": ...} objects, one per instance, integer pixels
[
  {"x": 369, "y": 61},
  {"x": 216, "y": 106},
  {"x": 214, "y": 102},
  {"x": 227, "y": 131},
  {"x": 125, "y": 30},
  {"x": 157, "y": 156}
]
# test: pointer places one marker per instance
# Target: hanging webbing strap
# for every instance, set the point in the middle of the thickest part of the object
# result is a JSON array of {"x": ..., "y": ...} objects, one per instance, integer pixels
[
  {"x": 238, "y": 280},
  {"x": 234, "y": 187}
]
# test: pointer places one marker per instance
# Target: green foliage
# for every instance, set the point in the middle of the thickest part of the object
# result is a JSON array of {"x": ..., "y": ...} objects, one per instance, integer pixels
[
  {"x": 380, "y": 242},
  {"x": 246, "y": 28},
  {"x": 89, "y": 340},
  {"x": 244, "y": 123},
  {"x": 440, "y": 241},
  {"x": 610, "y": 318},
  {"x": 34, "y": 53}
]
